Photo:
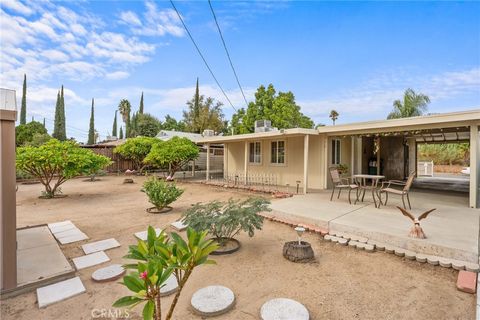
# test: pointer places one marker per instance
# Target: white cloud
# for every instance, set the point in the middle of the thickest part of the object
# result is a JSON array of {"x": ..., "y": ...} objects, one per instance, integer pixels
[
  {"x": 130, "y": 18},
  {"x": 17, "y": 6},
  {"x": 117, "y": 75}
]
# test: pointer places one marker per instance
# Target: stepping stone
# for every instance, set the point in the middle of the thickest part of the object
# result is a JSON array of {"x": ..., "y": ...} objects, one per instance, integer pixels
[
  {"x": 369, "y": 247},
  {"x": 467, "y": 281},
  {"x": 179, "y": 225},
  {"x": 472, "y": 267},
  {"x": 212, "y": 301},
  {"x": 59, "y": 291},
  {"x": 421, "y": 258},
  {"x": 90, "y": 260},
  {"x": 61, "y": 226},
  {"x": 100, "y": 245},
  {"x": 342, "y": 241},
  {"x": 282, "y": 308},
  {"x": 410, "y": 255},
  {"x": 433, "y": 260},
  {"x": 389, "y": 249},
  {"x": 67, "y": 233},
  {"x": 458, "y": 265},
  {"x": 170, "y": 286},
  {"x": 444, "y": 262},
  {"x": 399, "y": 252},
  {"x": 73, "y": 238},
  {"x": 142, "y": 235},
  {"x": 109, "y": 273}
]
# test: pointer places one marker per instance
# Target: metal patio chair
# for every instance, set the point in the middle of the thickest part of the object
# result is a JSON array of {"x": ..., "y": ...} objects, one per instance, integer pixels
[
  {"x": 387, "y": 188},
  {"x": 341, "y": 184}
]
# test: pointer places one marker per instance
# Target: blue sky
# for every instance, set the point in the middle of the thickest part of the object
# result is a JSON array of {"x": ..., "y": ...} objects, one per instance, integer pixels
[{"x": 355, "y": 57}]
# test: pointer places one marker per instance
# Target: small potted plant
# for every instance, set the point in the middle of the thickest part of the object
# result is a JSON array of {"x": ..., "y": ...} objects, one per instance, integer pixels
[
  {"x": 225, "y": 220},
  {"x": 161, "y": 194},
  {"x": 342, "y": 168}
]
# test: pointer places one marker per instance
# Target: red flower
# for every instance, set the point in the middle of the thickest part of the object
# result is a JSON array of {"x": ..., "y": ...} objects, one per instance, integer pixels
[{"x": 143, "y": 275}]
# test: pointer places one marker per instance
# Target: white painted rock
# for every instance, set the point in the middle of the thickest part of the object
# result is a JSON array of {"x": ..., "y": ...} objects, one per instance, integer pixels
[
  {"x": 212, "y": 300},
  {"x": 109, "y": 273},
  {"x": 283, "y": 309},
  {"x": 170, "y": 286}
]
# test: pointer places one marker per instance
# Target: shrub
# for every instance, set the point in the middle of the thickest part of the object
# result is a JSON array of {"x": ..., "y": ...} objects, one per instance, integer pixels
[
  {"x": 174, "y": 153},
  {"x": 158, "y": 258},
  {"x": 224, "y": 220},
  {"x": 136, "y": 149},
  {"x": 161, "y": 193},
  {"x": 25, "y": 134},
  {"x": 55, "y": 162}
]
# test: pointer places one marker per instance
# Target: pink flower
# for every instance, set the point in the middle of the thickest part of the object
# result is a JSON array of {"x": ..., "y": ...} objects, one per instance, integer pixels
[{"x": 143, "y": 275}]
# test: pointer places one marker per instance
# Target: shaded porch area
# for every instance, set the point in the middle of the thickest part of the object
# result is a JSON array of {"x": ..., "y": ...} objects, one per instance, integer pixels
[{"x": 452, "y": 230}]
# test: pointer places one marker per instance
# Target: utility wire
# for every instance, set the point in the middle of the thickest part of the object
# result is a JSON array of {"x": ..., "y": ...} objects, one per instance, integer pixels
[
  {"x": 201, "y": 55},
  {"x": 226, "y": 50}
]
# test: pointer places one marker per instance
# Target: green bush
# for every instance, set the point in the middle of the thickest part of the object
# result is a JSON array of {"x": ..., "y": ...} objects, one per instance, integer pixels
[
  {"x": 161, "y": 193},
  {"x": 224, "y": 220},
  {"x": 136, "y": 149}
]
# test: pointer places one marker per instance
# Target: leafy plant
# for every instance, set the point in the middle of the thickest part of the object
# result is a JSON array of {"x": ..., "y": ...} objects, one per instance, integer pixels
[
  {"x": 136, "y": 149},
  {"x": 161, "y": 193},
  {"x": 158, "y": 258},
  {"x": 174, "y": 154},
  {"x": 55, "y": 162},
  {"x": 224, "y": 220},
  {"x": 25, "y": 133},
  {"x": 342, "y": 168}
]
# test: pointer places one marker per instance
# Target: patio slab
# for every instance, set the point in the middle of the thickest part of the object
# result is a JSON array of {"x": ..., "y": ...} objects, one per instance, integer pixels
[
  {"x": 59, "y": 291},
  {"x": 100, "y": 245},
  {"x": 90, "y": 260},
  {"x": 452, "y": 230}
]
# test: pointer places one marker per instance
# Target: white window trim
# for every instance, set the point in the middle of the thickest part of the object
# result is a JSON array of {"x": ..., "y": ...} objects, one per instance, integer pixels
[
  {"x": 332, "y": 161},
  {"x": 284, "y": 164},
  {"x": 261, "y": 154}
]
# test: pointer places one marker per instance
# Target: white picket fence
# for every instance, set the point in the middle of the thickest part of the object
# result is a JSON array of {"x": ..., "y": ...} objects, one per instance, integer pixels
[{"x": 425, "y": 168}]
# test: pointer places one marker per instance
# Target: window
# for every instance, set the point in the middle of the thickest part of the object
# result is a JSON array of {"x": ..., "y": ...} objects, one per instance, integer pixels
[
  {"x": 255, "y": 154},
  {"x": 278, "y": 152},
  {"x": 336, "y": 146}
]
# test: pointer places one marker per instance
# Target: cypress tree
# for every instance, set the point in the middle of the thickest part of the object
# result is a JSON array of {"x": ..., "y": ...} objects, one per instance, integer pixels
[
  {"x": 23, "y": 110},
  {"x": 59, "y": 130},
  {"x": 114, "y": 128},
  {"x": 196, "y": 108},
  {"x": 63, "y": 121},
  {"x": 121, "y": 133},
  {"x": 91, "y": 130},
  {"x": 33, "y": 118},
  {"x": 56, "y": 122},
  {"x": 140, "y": 109},
  {"x": 44, "y": 123}
]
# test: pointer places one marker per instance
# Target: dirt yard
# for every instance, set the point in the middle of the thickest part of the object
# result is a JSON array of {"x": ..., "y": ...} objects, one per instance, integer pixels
[{"x": 342, "y": 284}]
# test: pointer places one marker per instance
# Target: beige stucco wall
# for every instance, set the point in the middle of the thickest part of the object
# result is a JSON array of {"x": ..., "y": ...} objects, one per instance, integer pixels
[{"x": 291, "y": 171}]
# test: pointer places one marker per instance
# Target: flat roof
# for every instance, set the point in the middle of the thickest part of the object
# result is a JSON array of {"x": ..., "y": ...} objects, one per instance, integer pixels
[{"x": 259, "y": 135}]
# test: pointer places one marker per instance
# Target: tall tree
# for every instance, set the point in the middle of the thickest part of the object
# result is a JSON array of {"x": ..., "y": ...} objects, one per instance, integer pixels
[
  {"x": 132, "y": 128},
  {"x": 210, "y": 115},
  {"x": 171, "y": 123},
  {"x": 121, "y": 133},
  {"x": 140, "y": 109},
  {"x": 23, "y": 110},
  {"x": 124, "y": 107},
  {"x": 196, "y": 106},
  {"x": 281, "y": 109},
  {"x": 413, "y": 105},
  {"x": 334, "y": 116},
  {"x": 44, "y": 123},
  {"x": 114, "y": 127},
  {"x": 147, "y": 125},
  {"x": 59, "y": 130},
  {"x": 91, "y": 129}
]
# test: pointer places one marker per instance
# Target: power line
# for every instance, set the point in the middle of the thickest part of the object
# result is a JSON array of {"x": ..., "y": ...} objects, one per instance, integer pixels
[
  {"x": 228, "y": 54},
  {"x": 201, "y": 55}
]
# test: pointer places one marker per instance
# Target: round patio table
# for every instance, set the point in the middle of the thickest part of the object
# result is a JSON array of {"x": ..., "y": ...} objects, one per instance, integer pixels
[{"x": 362, "y": 181}]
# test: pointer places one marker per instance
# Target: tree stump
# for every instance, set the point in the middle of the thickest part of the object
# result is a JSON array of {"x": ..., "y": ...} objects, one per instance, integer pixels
[
  {"x": 298, "y": 252},
  {"x": 128, "y": 180}
]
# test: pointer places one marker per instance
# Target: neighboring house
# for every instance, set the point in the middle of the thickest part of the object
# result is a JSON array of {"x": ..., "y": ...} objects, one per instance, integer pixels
[{"x": 386, "y": 147}]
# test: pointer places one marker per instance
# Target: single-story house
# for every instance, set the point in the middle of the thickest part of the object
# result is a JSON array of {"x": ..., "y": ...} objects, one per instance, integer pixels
[{"x": 387, "y": 147}]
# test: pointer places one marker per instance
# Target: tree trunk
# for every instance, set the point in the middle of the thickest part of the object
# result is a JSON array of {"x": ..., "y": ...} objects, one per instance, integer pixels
[{"x": 177, "y": 295}]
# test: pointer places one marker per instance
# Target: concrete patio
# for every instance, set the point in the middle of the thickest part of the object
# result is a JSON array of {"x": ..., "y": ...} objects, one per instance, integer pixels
[{"x": 452, "y": 230}]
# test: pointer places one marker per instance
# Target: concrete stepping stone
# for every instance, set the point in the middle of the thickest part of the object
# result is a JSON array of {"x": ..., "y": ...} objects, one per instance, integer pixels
[
  {"x": 110, "y": 273},
  {"x": 467, "y": 281},
  {"x": 179, "y": 225},
  {"x": 142, "y": 235},
  {"x": 212, "y": 301},
  {"x": 369, "y": 247},
  {"x": 472, "y": 267},
  {"x": 433, "y": 260},
  {"x": 458, "y": 265},
  {"x": 283, "y": 309},
  {"x": 444, "y": 262},
  {"x": 100, "y": 245},
  {"x": 410, "y": 255},
  {"x": 421, "y": 258},
  {"x": 170, "y": 286},
  {"x": 90, "y": 260},
  {"x": 399, "y": 252},
  {"x": 61, "y": 226},
  {"x": 59, "y": 291},
  {"x": 78, "y": 236}
]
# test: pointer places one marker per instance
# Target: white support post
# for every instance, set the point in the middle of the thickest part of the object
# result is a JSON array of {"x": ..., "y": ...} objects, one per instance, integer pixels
[
  {"x": 352, "y": 155},
  {"x": 305, "y": 163},
  {"x": 474, "y": 170},
  {"x": 193, "y": 168},
  {"x": 359, "y": 151},
  {"x": 245, "y": 168},
  {"x": 208, "y": 162},
  {"x": 412, "y": 155},
  {"x": 325, "y": 162},
  {"x": 225, "y": 161}
]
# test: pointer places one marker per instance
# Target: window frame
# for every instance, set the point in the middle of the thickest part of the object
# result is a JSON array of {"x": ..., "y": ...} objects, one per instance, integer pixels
[
  {"x": 336, "y": 146},
  {"x": 284, "y": 163},
  {"x": 254, "y": 163}
]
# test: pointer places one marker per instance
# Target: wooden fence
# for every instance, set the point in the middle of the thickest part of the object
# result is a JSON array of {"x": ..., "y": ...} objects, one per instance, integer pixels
[{"x": 119, "y": 164}]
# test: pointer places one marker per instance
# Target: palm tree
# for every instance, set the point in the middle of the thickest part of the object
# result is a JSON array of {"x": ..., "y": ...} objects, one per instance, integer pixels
[
  {"x": 124, "y": 107},
  {"x": 334, "y": 116},
  {"x": 413, "y": 105}
]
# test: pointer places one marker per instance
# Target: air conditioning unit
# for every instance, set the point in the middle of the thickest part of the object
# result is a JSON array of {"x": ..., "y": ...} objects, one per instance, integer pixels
[
  {"x": 208, "y": 133},
  {"x": 263, "y": 124}
]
